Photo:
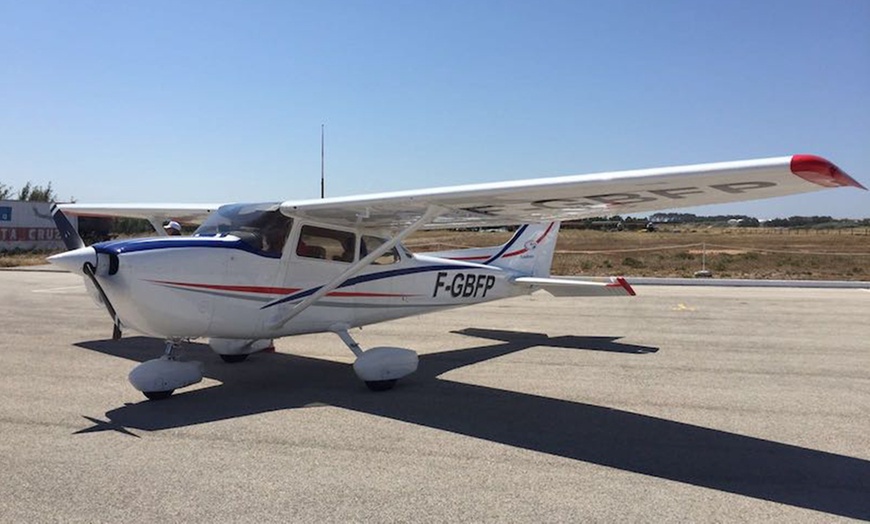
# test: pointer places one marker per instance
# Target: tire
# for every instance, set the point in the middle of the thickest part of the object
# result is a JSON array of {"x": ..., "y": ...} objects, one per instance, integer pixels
[
  {"x": 380, "y": 385},
  {"x": 233, "y": 359},
  {"x": 158, "y": 395}
]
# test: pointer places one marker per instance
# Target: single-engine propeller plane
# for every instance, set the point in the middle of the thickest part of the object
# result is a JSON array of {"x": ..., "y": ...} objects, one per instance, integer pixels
[{"x": 251, "y": 273}]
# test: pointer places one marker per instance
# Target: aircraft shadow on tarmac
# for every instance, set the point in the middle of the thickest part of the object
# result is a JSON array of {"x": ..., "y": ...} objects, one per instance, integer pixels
[{"x": 624, "y": 440}]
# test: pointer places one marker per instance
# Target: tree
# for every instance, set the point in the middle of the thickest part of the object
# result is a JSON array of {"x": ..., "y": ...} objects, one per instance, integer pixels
[
  {"x": 5, "y": 191},
  {"x": 33, "y": 193},
  {"x": 24, "y": 192}
]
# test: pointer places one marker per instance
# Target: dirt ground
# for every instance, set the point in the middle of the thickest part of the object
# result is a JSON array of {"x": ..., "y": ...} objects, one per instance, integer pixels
[{"x": 762, "y": 253}]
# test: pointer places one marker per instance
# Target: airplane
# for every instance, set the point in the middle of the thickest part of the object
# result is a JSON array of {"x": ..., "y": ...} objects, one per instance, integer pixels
[{"x": 254, "y": 272}]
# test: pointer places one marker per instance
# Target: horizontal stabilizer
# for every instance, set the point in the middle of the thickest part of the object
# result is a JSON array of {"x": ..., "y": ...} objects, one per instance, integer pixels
[{"x": 561, "y": 287}]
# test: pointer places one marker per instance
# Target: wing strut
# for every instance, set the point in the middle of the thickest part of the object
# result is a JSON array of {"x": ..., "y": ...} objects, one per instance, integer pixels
[{"x": 282, "y": 317}]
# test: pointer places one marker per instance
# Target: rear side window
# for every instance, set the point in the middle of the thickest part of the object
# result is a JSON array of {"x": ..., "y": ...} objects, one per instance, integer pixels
[
  {"x": 326, "y": 244},
  {"x": 369, "y": 244}
]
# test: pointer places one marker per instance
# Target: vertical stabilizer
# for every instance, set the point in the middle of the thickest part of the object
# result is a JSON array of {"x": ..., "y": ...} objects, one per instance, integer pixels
[{"x": 529, "y": 251}]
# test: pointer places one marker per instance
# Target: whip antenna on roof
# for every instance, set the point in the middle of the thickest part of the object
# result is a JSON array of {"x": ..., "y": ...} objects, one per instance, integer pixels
[{"x": 322, "y": 176}]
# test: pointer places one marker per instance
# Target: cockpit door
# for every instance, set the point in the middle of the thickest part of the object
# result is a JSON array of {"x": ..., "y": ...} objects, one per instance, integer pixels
[
  {"x": 254, "y": 272},
  {"x": 315, "y": 255}
]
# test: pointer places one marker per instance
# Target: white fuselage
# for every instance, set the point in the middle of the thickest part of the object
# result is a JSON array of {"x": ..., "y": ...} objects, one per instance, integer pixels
[{"x": 204, "y": 287}]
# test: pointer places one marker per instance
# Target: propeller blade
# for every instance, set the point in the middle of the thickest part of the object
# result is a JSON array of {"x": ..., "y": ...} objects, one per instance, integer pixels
[{"x": 68, "y": 233}]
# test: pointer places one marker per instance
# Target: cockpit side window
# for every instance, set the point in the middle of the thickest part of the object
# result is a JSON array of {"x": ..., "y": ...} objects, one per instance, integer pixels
[
  {"x": 274, "y": 230},
  {"x": 263, "y": 229},
  {"x": 370, "y": 243},
  {"x": 326, "y": 244}
]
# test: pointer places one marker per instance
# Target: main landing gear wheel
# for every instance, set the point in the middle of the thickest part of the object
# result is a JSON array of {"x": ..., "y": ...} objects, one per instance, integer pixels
[
  {"x": 232, "y": 359},
  {"x": 158, "y": 378},
  {"x": 158, "y": 395},
  {"x": 380, "y": 385},
  {"x": 379, "y": 367}
]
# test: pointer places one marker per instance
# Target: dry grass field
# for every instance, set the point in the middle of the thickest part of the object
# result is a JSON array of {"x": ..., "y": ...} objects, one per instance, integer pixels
[
  {"x": 761, "y": 253},
  {"x": 22, "y": 259},
  {"x": 826, "y": 254}
]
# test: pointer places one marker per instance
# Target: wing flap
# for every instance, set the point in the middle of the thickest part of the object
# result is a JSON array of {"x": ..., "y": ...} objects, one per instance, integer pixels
[
  {"x": 617, "y": 287},
  {"x": 584, "y": 196}
]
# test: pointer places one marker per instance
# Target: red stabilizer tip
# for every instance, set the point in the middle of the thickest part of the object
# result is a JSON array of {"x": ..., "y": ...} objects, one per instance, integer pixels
[
  {"x": 820, "y": 171},
  {"x": 623, "y": 283}
]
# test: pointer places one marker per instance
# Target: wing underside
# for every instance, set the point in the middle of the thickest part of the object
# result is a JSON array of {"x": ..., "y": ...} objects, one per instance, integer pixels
[{"x": 584, "y": 196}]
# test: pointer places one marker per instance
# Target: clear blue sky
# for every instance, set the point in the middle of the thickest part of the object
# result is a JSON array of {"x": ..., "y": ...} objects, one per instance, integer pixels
[{"x": 210, "y": 101}]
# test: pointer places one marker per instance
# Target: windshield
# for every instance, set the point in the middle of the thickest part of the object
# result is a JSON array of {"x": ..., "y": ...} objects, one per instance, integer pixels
[
  {"x": 262, "y": 226},
  {"x": 233, "y": 217}
]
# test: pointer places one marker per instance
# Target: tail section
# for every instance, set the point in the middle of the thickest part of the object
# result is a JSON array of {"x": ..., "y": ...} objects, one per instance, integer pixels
[{"x": 529, "y": 251}]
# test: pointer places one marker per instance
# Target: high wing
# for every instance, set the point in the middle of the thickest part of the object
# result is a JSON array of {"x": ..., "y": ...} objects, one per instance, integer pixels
[
  {"x": 577, "y": 197},
  {"x": 187, "y": 213}
]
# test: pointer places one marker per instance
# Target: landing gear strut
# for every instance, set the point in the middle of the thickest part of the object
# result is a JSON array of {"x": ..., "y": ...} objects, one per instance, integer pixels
[{"x": 379, "y": 367}]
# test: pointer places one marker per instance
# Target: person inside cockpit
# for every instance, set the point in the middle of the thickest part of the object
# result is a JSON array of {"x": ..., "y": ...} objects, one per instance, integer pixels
[{"x": 172, "y": 228}]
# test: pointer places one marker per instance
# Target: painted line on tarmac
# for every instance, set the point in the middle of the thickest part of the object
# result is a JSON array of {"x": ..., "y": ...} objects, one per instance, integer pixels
[{"x": 56, "y": 289}]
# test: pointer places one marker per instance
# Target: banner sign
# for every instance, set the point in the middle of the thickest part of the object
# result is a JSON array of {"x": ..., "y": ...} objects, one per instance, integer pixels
[{"x": 28, "y": 226}]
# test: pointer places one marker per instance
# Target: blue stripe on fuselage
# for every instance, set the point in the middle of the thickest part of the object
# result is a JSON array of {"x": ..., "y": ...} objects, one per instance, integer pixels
[{"x": 117, "y": 247}]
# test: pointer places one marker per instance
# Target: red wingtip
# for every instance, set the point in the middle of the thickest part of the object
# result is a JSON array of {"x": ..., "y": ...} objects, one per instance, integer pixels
[{"x": 820, "y": 171}]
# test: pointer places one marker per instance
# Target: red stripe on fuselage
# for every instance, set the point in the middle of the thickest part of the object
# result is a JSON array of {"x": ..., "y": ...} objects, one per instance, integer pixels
[
  {"x": 266, "y": 290},
  {"x": 245, "y": 289}
]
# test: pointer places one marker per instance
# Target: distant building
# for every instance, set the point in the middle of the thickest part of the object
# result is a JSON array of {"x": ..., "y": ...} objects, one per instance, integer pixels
[{"x": 28, "y": 225}]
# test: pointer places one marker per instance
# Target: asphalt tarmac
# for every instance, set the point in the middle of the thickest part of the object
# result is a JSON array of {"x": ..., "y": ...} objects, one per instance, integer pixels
[{"x": 681, "y": 404}]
